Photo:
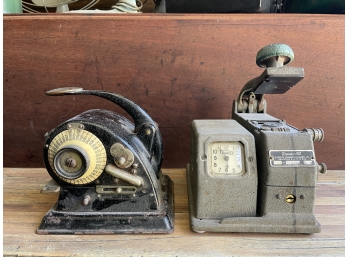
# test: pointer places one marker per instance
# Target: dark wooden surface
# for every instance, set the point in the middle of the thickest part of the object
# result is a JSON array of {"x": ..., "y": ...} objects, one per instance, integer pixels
[
  {"x": 177, "y": 67},
  {"x": 24, "y": 208}
]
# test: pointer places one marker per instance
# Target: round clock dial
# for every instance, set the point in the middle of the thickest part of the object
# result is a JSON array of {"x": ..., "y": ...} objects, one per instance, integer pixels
[{"x": 226, "y": 158}]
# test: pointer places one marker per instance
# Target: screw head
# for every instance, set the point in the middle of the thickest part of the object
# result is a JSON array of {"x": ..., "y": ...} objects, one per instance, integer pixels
[
  {"x": 71, "y": 163},
  {"x": 290, "y": 198}
]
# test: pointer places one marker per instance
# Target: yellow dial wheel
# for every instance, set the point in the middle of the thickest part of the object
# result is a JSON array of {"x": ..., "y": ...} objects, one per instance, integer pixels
[{"x": 77, "y": 156}]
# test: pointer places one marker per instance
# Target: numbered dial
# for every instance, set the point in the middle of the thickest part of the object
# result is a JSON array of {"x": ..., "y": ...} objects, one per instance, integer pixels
[
  {"x": 77, "y": 156},
  {"x": 226, "y": 158}
]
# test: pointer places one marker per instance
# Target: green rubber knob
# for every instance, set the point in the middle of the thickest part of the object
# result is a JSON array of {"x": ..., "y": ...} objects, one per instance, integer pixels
[{"x": 272, "y": 51}]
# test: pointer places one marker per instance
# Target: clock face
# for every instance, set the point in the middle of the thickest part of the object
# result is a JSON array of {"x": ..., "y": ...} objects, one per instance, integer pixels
[{"x": 226, "y": 158}]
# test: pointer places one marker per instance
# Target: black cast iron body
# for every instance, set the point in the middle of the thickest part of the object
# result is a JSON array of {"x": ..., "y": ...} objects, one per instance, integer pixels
[{"x": 149, "y": 209}]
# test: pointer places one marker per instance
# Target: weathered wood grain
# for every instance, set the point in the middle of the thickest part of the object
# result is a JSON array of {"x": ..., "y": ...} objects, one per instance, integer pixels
[
  {"x": 177, "y": 67},
  {"x": 24, "y": 208}
]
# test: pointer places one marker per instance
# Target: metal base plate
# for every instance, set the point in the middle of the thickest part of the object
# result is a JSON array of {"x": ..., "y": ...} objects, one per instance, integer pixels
[
  {"x": 271, "y": 223},
  {"x": 162, "y": 221}
]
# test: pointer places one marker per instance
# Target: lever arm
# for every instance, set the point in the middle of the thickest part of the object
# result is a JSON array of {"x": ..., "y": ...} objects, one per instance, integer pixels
[{"x": 146, "y": 129}]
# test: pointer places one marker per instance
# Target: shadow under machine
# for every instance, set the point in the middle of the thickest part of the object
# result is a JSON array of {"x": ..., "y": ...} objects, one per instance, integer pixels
[
  {"x": 107, "y": 171},
  {"x": 255, "y": 173}
]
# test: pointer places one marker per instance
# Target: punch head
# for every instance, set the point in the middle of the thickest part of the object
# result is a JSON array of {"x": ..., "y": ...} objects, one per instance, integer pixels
[
  {"x": 274, "y": 55},
  {"x": 278, "y": 80}
]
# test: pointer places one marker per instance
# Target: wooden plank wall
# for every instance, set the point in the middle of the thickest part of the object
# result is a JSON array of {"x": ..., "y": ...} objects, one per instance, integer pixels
[{"x": 177, "y": 67}]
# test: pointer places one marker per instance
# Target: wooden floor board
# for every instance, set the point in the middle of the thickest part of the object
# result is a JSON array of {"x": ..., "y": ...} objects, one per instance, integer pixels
[{"x": 24, "y": 209}]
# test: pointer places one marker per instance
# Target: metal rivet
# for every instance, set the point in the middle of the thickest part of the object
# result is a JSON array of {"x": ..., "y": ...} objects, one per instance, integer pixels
[
  {"x": 278, "y": 195},
  {"x": 69, "y": 126},
  {"x": 302, "y": 197},
  {"x": 121, "y": 160},
  {"x": 148, "y": 131},
  {"x": 81, "y": 126},
  {"x": 119, "y": 190},
  {"x": 86, "y": 200}
]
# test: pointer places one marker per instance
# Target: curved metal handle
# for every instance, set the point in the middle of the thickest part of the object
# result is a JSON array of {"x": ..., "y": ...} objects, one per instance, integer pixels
[
  {"x": 145, "y": 127},
  {"x": 139, "y": 116}
]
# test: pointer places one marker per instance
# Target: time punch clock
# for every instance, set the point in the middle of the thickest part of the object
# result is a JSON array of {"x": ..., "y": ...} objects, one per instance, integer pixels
[{"x": 255, "y": 173}]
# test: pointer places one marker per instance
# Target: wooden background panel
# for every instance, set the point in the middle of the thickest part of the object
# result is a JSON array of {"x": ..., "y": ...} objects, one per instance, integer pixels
[{"x": 177, "y": 67}]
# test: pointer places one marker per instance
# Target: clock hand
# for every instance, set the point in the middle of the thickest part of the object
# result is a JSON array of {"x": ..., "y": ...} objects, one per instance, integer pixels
[{"x": 226, "y": 158}]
